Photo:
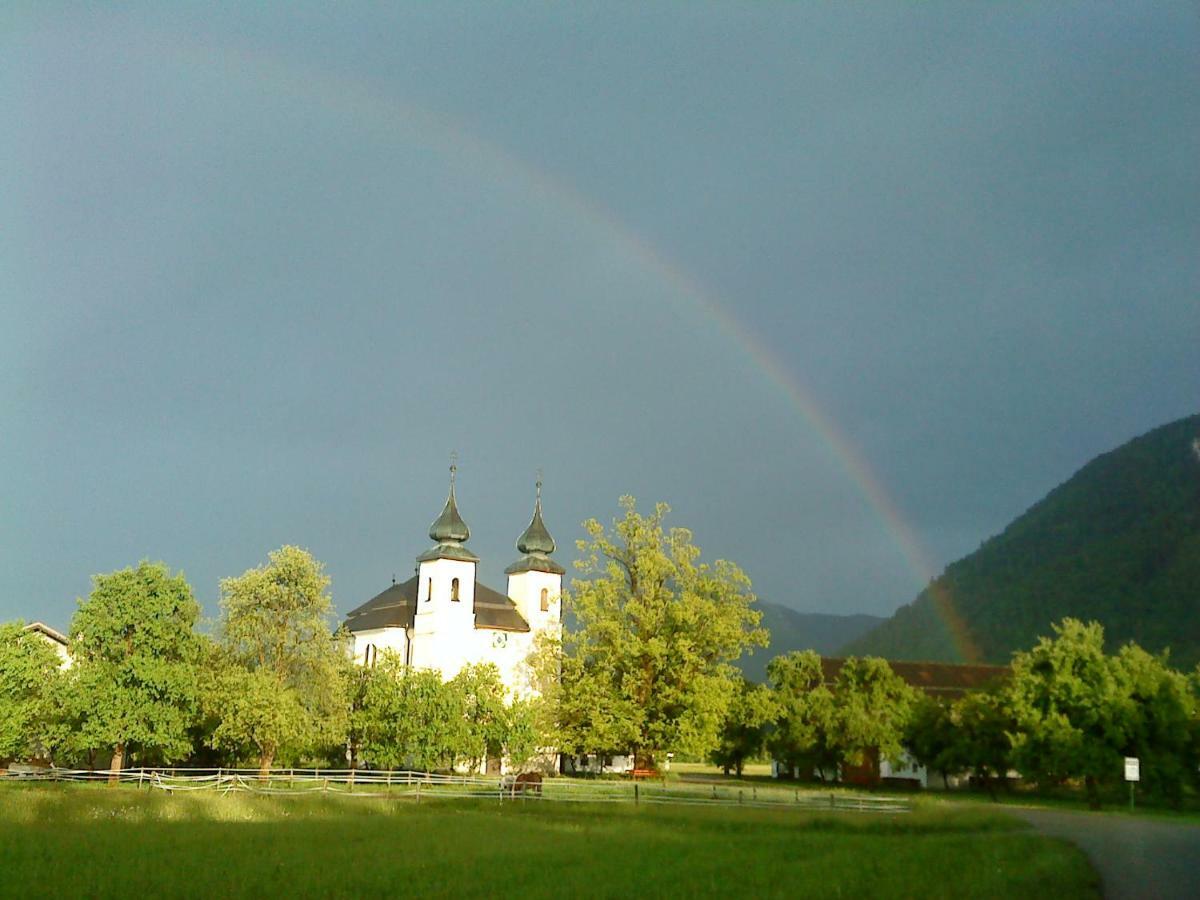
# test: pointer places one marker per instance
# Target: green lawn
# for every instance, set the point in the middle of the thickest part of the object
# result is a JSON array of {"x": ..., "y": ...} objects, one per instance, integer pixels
[{"x": 69, "y": 840}]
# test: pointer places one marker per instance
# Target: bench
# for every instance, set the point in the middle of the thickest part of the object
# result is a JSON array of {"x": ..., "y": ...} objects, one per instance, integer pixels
[{"x": 644, "y": 773}]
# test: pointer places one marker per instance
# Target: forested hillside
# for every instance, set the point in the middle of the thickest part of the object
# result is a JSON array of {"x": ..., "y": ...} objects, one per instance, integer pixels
[
  {"x": 1119, "y": 542},
  {"x": 792, "y": 630}
]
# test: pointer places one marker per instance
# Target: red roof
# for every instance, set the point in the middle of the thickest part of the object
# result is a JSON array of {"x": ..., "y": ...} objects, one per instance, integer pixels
[{"x": 936, "y": 679}]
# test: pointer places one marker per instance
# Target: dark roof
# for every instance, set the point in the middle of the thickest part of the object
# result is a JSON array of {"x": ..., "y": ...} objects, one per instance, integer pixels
[
  {"x": 535, "y": 562},
  {"x": 494, "y": 610},
  {"x": 936, "y": 679},
  {"x": 396, "y": 607}
]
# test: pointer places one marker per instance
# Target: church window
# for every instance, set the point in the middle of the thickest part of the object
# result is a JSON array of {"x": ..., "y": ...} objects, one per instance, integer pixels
[
  {"x": 545, "y": 600},
  {"x": 454, "y": 590},
  {"x": 428, "y": 590}
]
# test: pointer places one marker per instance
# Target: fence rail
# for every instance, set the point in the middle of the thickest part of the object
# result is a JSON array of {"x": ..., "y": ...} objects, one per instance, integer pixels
[{"x": 421, "y": 786}]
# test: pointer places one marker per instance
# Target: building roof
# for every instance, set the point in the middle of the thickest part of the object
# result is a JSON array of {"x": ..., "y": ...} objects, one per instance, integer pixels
[
  {"x": 494, "y": 610},
  {"x": 948, "y": 680},
  {"x": 397, "y": 606},
  {"x": 392, "y": 608},
  {"x": 54, "y": 634}
]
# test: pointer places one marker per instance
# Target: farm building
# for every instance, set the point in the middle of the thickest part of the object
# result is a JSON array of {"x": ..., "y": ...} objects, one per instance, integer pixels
[
  {"x": 443, "y": 618},
  {"x": 947, "y": 681},
  {"x": 55, "y": 639}
]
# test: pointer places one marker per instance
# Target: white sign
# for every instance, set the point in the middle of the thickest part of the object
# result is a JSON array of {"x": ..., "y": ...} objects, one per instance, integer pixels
[{"x": 1131, "y": 769}]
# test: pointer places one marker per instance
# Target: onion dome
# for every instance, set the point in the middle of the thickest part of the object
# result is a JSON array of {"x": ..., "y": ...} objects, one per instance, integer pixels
[
  {"x": 536, "y": 544},
  {"x": 450, "y": 531}
]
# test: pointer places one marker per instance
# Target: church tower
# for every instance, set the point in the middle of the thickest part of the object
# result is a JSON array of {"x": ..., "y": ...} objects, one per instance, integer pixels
[
  {"x": 444, "y": 619},
  {"x": 535, "y": 580}
]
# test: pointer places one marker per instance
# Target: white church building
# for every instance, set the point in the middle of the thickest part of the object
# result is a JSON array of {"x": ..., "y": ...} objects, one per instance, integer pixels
[{"x": 443, "y": 618}]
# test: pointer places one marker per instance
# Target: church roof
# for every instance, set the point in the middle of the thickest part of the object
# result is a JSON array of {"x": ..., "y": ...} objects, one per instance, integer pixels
[
  {"x": 396, "y": 607},
  {"x": 393, "y": 608},
  {"x": 494, "y": 610}
]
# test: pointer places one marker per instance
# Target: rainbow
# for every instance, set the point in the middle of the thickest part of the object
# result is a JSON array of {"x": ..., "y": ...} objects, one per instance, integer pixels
[{"x": 450, "y": 137}]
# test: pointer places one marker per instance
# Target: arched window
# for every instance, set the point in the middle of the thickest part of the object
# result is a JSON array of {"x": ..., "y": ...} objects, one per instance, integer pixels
[
  {"x": 545, "y": 600},
  {"x": 454, "y": 590},
  {"x": 428, "y": 590},
  {"x": 369, "y": 655}
]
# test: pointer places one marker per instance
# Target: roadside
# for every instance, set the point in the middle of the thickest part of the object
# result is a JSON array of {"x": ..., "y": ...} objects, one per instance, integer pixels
[{"x": 1136, "y": 856}]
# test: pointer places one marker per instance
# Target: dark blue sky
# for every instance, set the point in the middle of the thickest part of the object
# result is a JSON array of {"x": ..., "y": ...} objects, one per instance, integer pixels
[{"x": 262, "y": 269}]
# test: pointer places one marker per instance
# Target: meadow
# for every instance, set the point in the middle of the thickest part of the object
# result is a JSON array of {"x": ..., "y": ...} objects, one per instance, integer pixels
[{"x": 72, "y": 840}]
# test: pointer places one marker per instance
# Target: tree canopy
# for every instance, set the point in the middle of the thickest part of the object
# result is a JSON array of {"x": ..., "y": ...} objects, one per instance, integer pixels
[
  {"x": 29, "y": 675},
  {"x": 135, "y": 649},
  {"x": 655, "y": 632},
  {"x": 278, "y": 690}
]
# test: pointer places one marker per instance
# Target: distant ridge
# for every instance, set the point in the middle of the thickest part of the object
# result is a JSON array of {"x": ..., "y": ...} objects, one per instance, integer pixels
[
  {"x": 792, "y": 630},
  {"x": 1118, "y": 542}
]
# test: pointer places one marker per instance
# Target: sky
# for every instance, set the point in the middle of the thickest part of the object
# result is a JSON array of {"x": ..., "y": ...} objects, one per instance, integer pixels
[{"x": 848, "y": 286}]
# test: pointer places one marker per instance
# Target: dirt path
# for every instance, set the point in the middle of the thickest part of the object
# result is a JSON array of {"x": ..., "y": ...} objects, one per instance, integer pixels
[{"x": 1136, "y": 857}]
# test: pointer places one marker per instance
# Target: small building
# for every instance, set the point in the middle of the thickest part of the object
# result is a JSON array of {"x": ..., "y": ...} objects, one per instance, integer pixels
[{"x": 56, "y": 639}]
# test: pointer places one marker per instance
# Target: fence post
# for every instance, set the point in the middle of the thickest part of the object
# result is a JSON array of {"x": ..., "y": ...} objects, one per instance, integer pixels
[
  {"x": 831, "y": 803},
  {"x": 754, "y": 793},
  {"x": 636, "y": 798},
  {"x": 714, "y": 792},
  {"x": 741, "y": 796},
  {"x": 218, "y": 778},
  {"x": 418, "y": 793}
]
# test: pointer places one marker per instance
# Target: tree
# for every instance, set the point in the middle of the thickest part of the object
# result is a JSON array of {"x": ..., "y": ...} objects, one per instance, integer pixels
[
  {"x": 744, "y": 731},
  {"x": 279, "y": 690},
  {"x": 873, "y": 708},
  {"x": 485, "y": 714},
  {"x": 933, "y": 739},
  {"x": 135, "y": 650},
  {"x": 656, "y": 631},
  {"x": 804, "y": 733},
  {"x": 408, "y": 717},
  {"x": 984, "y": 726},
  {"x": 1074, "y": 713},
  {"x": 29, "y": 673},
  {"x": 1164, "y": 711}
]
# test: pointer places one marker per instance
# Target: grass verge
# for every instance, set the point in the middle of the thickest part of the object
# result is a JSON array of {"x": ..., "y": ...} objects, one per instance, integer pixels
[{"x": 63, "y": 840}]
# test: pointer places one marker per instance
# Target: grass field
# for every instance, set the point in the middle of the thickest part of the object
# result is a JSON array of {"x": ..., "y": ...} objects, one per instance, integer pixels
[{"x": 72, "y": 840}]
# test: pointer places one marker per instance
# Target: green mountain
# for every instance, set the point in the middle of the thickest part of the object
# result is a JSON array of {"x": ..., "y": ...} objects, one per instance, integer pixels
[
  {"x": 1119, "y": 542},
  {"x": 792, "y": 630}
]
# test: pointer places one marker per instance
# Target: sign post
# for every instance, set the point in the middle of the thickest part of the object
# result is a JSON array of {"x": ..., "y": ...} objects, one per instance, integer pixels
[{"x": 1132, "y": 775}]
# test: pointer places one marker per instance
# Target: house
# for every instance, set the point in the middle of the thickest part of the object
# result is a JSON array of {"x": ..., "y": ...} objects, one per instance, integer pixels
[
  {"x": 444, "y": 618},
  {"x": 56, "y": 639},
  {"x": 947, "y": 681}
]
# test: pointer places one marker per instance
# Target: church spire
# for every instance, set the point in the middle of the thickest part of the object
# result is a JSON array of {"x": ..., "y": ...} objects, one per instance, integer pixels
[
  {"x": 536, "y": 543},
  {"x": 449, "y": 529},
  {"x": 536, "y": 538}
]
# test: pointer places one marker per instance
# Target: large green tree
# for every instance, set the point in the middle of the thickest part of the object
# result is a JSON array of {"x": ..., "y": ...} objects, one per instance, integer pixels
[
  {"x": 279, "y": 690},
  {"x": 29, "y": 675},
  {"x": 655, "y": 632},
  {"x": 135, "y": 674},
  {"x": 803, "y": 738}
]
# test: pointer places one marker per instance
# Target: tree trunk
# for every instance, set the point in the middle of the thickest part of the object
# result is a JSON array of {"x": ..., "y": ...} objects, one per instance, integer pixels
[
  {"x": 264, "y": 764},
  {"x": 726, "y": 770},
  {"x": 1093, "y": 795},
  {"x": 738, "y": 767},
  {"x": 118, "y": 760}
]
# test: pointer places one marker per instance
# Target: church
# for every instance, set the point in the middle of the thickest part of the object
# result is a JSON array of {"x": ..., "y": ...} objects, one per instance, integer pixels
[{"x": 443, "y": 618}]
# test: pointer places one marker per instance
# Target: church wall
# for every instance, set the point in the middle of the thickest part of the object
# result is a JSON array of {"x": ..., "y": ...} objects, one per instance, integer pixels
[{"x": 381, "y": 639}]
